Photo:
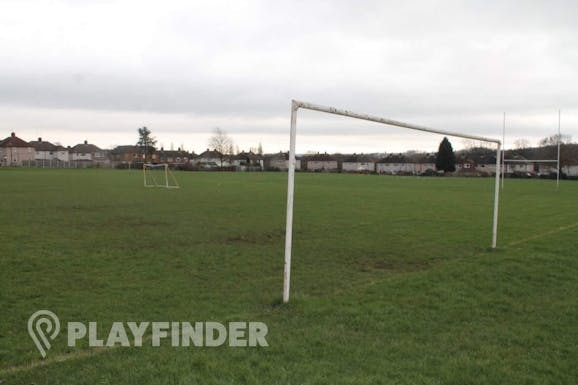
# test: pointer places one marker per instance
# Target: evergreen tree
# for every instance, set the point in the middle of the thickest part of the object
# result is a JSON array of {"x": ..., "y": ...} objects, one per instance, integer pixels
[
  {"x": 146, "y": 142},
  {"x": 445, "y": 158}
]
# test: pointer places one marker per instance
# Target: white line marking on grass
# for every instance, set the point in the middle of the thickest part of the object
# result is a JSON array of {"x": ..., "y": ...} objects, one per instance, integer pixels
[
  {"x": 56, "y": 359},
  {"x": 558, "y": 230}
]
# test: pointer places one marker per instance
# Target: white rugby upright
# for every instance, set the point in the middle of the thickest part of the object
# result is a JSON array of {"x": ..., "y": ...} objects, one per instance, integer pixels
[{"x": 296, "y": 105}]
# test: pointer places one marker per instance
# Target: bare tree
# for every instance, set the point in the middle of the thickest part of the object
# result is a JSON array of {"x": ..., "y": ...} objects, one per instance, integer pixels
[
  {"x": 471, "y": 144},
  {"x": 553, "y": 140},
  {"x": 222, "y": 143},
  {"x": 521, "y": 143}
]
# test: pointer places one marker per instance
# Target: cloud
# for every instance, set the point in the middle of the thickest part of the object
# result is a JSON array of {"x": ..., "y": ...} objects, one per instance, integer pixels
[{"x": 448, "y": 64}]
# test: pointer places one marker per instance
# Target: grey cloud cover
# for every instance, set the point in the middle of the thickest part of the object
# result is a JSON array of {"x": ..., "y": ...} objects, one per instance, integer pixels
[{"x": 449, "y": 63}]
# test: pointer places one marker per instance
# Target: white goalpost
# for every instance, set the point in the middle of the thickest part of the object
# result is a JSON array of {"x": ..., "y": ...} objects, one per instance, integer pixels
[
  {"x": 159, "y": 175},
  {"x": 296, "y": 105}
]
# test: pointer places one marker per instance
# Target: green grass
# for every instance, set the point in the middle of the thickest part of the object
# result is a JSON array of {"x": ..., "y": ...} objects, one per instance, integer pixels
[{"x": 393, "y": 281}]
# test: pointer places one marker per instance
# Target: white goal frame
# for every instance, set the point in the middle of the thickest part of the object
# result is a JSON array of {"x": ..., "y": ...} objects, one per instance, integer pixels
[
  {"x": 296, "y": 105},
  {"x": 167, "y": 174}
]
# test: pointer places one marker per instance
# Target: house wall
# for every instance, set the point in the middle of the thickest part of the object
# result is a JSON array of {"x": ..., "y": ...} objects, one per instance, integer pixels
[
  {"x": 519, "y": 167},
  {"x": 44, "y": 155},
  {"x": 466, "y": 167},
  {"x": 570, "y": 170},
  {"x": 358, "y": 166},
  {"x": 96, "y": 159},
  {"x": 74, "y": 156},
  {"x": 14, "y": 156},
  {"x": 283, "y": 164},
  {"x": 63, "y": 155},
  {"x": 487, "y": 168},
  {"x": 394, "y": 168},
  {"x": 318, "y": 165},
  {"x": 217, "y": 161},
  {"x": 547, "y": 168}
]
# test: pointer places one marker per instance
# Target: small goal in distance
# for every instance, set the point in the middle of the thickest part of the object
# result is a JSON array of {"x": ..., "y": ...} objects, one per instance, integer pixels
[
  {"x": 159, "y": 175},
  {"x": 296, "y": 105}
]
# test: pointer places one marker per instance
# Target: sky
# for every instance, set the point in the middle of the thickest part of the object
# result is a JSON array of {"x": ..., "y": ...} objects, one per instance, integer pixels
[{"x": 98, "y": 70}]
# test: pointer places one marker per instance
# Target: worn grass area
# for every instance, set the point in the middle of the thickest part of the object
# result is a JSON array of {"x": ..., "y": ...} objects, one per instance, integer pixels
[{"x": 393, "y": 281}]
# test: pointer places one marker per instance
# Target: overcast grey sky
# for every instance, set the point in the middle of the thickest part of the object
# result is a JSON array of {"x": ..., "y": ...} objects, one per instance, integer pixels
[{"x": 98, "y": 70}]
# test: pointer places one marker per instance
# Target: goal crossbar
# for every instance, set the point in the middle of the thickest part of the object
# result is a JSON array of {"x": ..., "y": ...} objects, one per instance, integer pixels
[
  {"x": 530, "y": 161},
  {"x": 296, "y": 105}
]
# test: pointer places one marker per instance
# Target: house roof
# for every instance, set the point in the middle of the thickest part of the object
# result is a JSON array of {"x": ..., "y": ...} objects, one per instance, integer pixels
[
  {"x": 280, "y": 155},
  {"x": 14, "y": 141},
  {"x": 359, "y": 158},
  {"x": 40, "y": 145},
  {"x": 393, "y": 158},
  {"x": 210, "y": 154},
  {"x": 180, "y": 153},
  {"x": 85, "y": 148},
  {"x": 479, "y": 155},
  {"x": 126, "y": 149},
  {"x": 247, "y": 156},
  {"x": 321, "y": 157}
]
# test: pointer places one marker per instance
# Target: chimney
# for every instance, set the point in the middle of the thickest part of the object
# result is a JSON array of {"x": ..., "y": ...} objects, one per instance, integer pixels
[
  {"x": 86, "y": 142},
  {"x": 12, "y": 134},
  {"x": 40, "y": 139}
]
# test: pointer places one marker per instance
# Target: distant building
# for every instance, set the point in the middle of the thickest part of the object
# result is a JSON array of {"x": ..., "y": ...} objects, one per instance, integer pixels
[
  {"x": 44, "y": 151},
  {"x": 358, "y": 164},
  {"x": 398, "y": 164},
  {"x": 210, "y": 159},
  {"x": 279, "y": 162},
  {"x": 571, "y": 170},
  {"x": 247, "y": 161},
  {"x": 520, "y": 166},
  {"x": 476, "y": 162},
  {"x": 172, "y": 157},
  {"x": 125, "y": 154},
  {"x": 88, "y": 155},
  {"x": 321, "y": 163},
  {"x": 48, "y": 154},
  {"x": 15, "y": 151}
]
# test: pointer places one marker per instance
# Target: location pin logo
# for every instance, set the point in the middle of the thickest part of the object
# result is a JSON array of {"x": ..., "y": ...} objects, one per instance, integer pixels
[{"x": 43, "y": 326}]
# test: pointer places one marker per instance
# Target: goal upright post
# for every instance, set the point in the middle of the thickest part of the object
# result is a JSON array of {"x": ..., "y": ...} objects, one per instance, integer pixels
[{"x": 295, "y": 105}]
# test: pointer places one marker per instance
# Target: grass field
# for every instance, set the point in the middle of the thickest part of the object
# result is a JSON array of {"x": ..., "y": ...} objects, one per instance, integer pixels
[{"x": 393, "y": 280}]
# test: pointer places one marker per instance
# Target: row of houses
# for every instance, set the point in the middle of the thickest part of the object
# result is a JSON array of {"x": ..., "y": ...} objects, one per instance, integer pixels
[
  {"x": 15, "y": 151},
  {"x": 476, "y": 162}
]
